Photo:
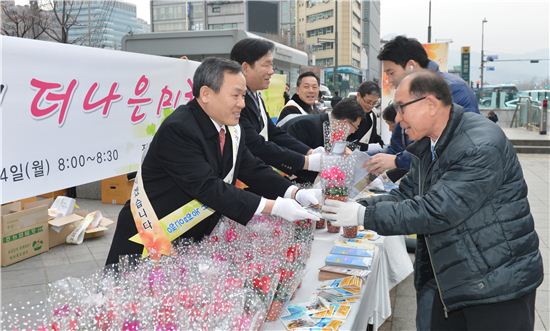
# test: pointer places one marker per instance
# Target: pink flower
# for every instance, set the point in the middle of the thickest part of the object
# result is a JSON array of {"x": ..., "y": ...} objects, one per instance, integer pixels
[{"x": 230, "y": 235}]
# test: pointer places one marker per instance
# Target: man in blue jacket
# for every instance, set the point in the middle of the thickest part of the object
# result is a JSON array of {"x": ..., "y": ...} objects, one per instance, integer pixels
[
  {"x": 466, "y": 198},
  {"x": 399, "y": 57}
]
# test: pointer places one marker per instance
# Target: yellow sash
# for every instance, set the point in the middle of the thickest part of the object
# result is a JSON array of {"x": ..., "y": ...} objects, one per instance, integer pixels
[{"x": 156, "y": 236}]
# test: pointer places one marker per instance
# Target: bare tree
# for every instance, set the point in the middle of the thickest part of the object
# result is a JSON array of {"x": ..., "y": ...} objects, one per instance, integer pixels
[
  {"x": 23, "y": 21},
  {"x": 64, "y": 16}
]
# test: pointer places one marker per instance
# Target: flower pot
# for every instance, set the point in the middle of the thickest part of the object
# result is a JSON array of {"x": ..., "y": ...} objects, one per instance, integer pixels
[
  {"x": 350, "y": 231},
  {"x": 332, "y": 229},
  {"x": 320, "y": 224},
  {"x": 336, "y": 197},
  {"x": 275, "y": 310}
]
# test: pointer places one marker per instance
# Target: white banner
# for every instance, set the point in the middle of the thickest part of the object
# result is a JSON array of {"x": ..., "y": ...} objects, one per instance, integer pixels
[{"x": 71, "y": 115}]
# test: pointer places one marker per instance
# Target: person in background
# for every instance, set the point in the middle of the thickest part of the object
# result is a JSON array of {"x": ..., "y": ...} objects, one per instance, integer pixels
[
  {"x": 388, "y": 115},
  {"x": 368, "y": 96},
  {"x": 396, "y": 149},
  {"x": 395, "y": 160},
  {"x": 266, "y": 141},
  {"x": 286, "y": 94},
  {"x": 466, "y": 198},
  {"x": 309, "y": 128},
  {"x": 492, "y": 116},
  {"x": 335, "y": 99},
  {"x": 197, "y": 154},
  {"x": 303, "y": 101},
  {"x": 403, "y": 55}
]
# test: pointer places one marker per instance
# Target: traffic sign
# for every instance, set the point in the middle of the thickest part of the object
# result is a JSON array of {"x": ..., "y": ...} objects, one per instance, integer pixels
[{"x": 465, "y": 63}]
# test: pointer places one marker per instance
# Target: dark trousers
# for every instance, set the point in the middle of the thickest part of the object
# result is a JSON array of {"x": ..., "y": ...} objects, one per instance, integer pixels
[{"x": 516, "y": 314}]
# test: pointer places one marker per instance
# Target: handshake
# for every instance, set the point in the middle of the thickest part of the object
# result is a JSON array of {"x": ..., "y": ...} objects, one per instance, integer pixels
[{"x": 339, "y": 213}]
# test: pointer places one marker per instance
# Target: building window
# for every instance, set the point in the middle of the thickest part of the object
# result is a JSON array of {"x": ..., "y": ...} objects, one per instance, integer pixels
[
  {"x": 222, "y": 26},
  {"x": 356, "y": 33},
  {"x": 320, "y": 16},
  {"x": 325, "y": 62},
  {"x": 320, "y": 31},
  {"x": 323, "y": 46},
  {"x": 355, "y": 63},
  {"x": 356, "y": 49},
  {"x": 216, "y": 9}
]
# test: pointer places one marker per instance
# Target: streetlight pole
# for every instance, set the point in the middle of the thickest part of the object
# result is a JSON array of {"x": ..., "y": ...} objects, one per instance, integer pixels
[
  {"x": 482, "y": 51},
  {"x": 430, "y": 22}
]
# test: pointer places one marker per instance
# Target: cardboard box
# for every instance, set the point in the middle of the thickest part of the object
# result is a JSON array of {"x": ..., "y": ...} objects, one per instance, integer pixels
[
  {"x": 61, "y": 227},
  {"x": 116, "y": 190},
  {"x": 24, "y": 231},
  {"x": 55, "y": 194},
  {"x": 68, "y": 223}
]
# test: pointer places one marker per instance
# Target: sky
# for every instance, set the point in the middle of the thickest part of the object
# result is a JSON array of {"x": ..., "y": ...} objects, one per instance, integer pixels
[{"x": 519, "y": 26}]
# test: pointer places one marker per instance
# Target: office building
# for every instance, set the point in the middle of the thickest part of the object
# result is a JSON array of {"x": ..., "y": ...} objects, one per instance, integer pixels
[
  {"x": 104, "y": 23},
  {"x": 371, "y": 67}
]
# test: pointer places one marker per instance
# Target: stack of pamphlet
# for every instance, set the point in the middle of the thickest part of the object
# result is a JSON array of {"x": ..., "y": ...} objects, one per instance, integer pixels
[
  {"x": 350, "y": 257},
  {"x": 328, "y": 309}
]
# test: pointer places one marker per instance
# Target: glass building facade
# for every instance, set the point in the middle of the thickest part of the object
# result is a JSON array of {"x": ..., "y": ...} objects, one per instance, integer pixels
[{"x": 103, "y": 24}]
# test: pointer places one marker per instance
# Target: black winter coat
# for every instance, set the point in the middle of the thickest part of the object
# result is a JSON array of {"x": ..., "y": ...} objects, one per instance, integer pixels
[
  {"x": 470, "y": 209},
  {"x": 183, "y": 163}
]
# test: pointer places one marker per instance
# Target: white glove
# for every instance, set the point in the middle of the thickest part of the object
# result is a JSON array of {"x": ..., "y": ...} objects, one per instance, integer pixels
[
  {"x": 308, "y": 197},
  {"x": 318, "y": 150},
  {"x": 340, "y": 213},
  {"x": 314, "y": 162},
  {"x": 291, "y": 210}
]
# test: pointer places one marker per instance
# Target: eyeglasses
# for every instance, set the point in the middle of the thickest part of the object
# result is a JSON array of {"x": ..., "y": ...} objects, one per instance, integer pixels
[
  {"x": 371, "y": 103},
  {"x": 399, "y": 107}
]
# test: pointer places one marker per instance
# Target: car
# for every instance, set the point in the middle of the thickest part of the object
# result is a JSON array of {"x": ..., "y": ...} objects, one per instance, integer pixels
[{"x": 325, "y": 101}]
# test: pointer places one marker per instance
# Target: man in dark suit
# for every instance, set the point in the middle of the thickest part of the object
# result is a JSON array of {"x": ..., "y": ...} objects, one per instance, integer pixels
[
  {"x": 309, "y": 128},
  {"x": 265, "y": 140},
  {"x": 368, "y": 96},
  {"x": 192, "y": 157}
]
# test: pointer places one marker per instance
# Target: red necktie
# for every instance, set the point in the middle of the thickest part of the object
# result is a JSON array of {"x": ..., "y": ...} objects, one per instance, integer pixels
[{"x": 222, "y": 139}]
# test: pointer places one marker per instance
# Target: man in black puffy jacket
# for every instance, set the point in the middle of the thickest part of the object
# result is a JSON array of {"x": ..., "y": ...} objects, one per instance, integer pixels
[{"x": 467, "y": 199}]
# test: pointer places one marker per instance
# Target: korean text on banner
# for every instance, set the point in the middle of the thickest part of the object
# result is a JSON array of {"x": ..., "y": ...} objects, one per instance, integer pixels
[{"x": 73, "y": 114}]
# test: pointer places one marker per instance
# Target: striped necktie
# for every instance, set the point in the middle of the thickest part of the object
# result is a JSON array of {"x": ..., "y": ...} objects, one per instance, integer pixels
[{"x": 222, "y": 140}]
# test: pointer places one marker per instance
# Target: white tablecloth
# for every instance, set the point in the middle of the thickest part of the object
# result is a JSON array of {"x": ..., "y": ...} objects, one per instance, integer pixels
[{"x": 391, "y": 264}]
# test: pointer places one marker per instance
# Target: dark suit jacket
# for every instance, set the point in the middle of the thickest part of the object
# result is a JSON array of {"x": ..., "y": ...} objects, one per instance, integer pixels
[
  {"x": 309, "y": 130},
  {"x": 281, "y": 150},
  {"x": 366, "y": 123},
  {"x": 183, "y": 163}
]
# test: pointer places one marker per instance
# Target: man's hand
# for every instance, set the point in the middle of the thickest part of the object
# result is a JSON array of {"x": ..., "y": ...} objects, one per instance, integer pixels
[
  {"x": 318, "y": 150},
  {"x": 313, "y": 162},
  {"x": 340, "y": 213},
  {"x": 380, "y": 163},
  {"x": 291, "y": 210},
  {"x": 309, "y": 197}
]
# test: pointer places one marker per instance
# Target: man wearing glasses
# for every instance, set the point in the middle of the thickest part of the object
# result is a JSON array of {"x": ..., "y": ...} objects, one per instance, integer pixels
[
  {"x": 368, "y": 96},
  {"x": 466, "y": 198}
]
